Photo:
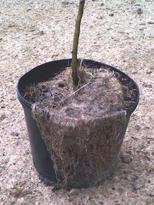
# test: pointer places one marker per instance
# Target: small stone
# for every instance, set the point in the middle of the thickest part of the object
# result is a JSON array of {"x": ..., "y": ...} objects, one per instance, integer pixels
[
  {"x": 70, "y": 199},
  {"x": 149, "y": 72},
  {"x": 44, "y": 88},
  {"x": 55, "y": 55},
  {"x": 147, "y": 85},
  {"x": 142, "y": 28},
  {"x": 21, "y": 183},
  {"x": 102, "y": 4},
  {"x": 11, "y": 25},
  {"x": 41, "y": 33},
  {"x": 100, "y": 17},
  {"x": 14, "y": 133},
  {"x": 25, "y": 192},
  {"x": 75, "y": 202},
  {"x": 139, "y": 11},
  {"x": 28, "y": 10},
  {"x": 111, "y": 14},
  {"x": 65, "y": 2},
  {"x": 150, "y": 22},
  {"x": 61, "y": 84},
  {"x": 21, "y": 201},
  {"x": 126, "y": 159},
  {"x": 90, "y": 193},
  {"x": 129, "y": 178},
  {"x": 2, "y": 116},
  {"x": 74, "y": 192},
  {"x": 4, "y": 161},
  {"x": 15, "y": 191},
  {"x": 137, "y": 127},
  {"x": 151, "y": 168}
]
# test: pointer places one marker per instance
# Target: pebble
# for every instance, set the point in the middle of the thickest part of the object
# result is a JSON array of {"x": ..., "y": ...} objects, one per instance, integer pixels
[
  {"x": 41, "y": 33},
  {"x": 147, "y": 85},
  {"x": 142, "y": 24},
  {"x": 139, "y": 11},
  {"x": 111, "y": 14},
  {"x": 137, "y": 127},
  {"x": 74, "y": 192},
  {"x": 61, "y": 84},
  {"x": 100, "y": 17},
  {"x": 21, "y": 201},
  {"x": 44, "y": 88},
  {"x": 15, "y": 191},
  {"x": 126, "y": 159},
  {"x": 151, "y": 168},
  {"x": 142, "y": 28},
  {"x": 129, "y": 178},
  {"x": 150, "y": 22},
  {"x": 149, "y": 72},
  {"x": 2, "y": 116},
  {"x": 65, "y": 2},
  {"x": 28, "y": 10},
  {"x": 14, "y": 133},
  {"x": 90, "y": 193},
  {"x": 4, "y": 162},
  {"x": 75, "y": 202}
]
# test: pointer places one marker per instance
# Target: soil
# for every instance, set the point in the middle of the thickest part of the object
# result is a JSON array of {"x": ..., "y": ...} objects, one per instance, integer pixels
[
  {"x": 99, "y": 91},
  {"x": 119, "y": 33}
]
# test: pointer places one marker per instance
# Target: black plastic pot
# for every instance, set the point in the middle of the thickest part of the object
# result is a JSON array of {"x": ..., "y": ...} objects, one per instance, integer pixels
[{"x": 41, "y": 156}]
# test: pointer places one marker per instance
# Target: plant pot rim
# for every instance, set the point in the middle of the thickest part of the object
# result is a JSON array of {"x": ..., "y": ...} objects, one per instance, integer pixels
[{"x": 67, "y": 62}]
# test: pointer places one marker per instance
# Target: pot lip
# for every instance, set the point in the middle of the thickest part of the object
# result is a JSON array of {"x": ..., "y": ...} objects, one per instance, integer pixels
[{"x": 28, "y": 105}]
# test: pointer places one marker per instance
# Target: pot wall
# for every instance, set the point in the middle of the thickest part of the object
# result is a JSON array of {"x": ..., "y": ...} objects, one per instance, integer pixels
[{"x": 41, "y": 156}]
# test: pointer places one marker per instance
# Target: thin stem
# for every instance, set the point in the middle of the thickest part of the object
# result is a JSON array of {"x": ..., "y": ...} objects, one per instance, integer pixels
[{"x": 76, "y": 42}]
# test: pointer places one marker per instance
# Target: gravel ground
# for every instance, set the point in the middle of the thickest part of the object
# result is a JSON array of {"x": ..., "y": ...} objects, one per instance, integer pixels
[{"x": 119, "y": 33}]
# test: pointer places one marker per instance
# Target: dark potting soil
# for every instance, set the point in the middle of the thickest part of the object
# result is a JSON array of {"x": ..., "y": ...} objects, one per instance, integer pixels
[{"x": 99, "y": 92}]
